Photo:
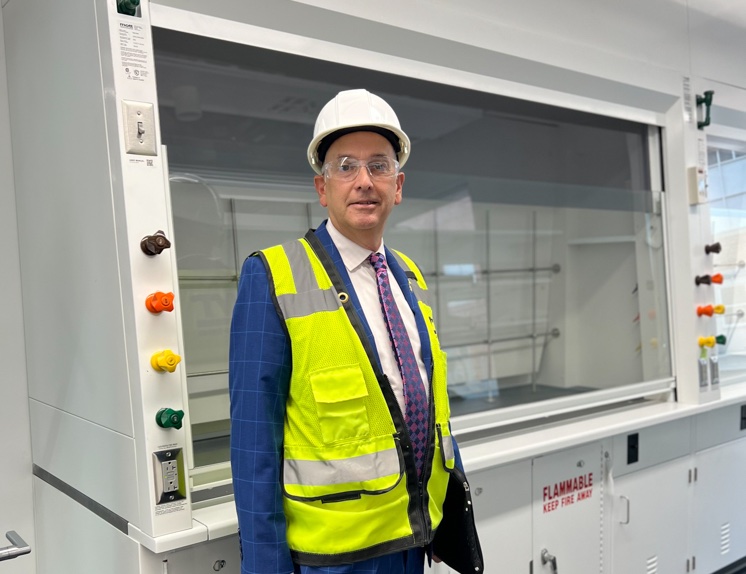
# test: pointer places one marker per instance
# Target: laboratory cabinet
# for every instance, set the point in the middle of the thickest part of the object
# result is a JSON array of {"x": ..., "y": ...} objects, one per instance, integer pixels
[
  {"x": 502, "y": 507},
  {"x": 676, "y": 501},
  {"x": 548, "y": 506},
  {"x": 719, "y": 506},
  {"x": 719, "y": 501},
  {"x": 651, "y": 498},
  {"x": 651, "y": 518},
  {"x": 567, "y": 510}
]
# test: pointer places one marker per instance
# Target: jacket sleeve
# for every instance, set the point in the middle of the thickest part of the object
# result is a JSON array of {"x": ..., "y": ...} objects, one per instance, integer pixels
[{"x": 259, "y": 378}]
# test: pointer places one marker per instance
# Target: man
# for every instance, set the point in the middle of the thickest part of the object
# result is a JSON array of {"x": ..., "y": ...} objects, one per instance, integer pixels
[{"x": 340, "y": 445}]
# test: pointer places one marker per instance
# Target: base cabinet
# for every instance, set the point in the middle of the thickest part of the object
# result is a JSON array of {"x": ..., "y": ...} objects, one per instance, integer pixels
[
  {"x": 650, "y": 519},
  {"x": 719, "y": 517},
  {"x": 502, "y": 507}
]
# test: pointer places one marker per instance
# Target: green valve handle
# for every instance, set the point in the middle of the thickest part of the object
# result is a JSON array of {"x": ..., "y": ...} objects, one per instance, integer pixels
[
  {"x": 169, "y": 418},
  {"x": 128, "y": 7},
  {"x": 705, "y": 99},
  {"x": 720, "y": 339}
]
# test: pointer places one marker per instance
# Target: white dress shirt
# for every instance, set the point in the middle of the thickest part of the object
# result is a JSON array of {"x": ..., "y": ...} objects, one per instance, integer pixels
[{"x": 364, "y": 281}]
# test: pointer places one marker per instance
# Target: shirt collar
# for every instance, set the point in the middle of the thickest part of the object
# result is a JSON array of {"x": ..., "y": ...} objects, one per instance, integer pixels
[{"x": 353, "y": 255}]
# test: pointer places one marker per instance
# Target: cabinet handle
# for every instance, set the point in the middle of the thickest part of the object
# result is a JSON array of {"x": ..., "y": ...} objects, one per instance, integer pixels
[
  {"x": 17, "y": 547},
  {"x": 547, "y": 558},
  {"x": 627, "y": 501}
]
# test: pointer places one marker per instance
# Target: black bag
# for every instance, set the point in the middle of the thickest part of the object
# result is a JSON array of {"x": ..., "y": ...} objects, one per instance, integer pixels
[{"x": 456, "y": 542}]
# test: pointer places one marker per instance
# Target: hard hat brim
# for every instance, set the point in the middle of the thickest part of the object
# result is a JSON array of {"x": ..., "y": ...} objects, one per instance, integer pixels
[{"x": 396, "y": 133}]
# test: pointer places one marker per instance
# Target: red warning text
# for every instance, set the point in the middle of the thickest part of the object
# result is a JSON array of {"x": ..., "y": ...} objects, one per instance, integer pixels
[{"x": 567, "y": 492}]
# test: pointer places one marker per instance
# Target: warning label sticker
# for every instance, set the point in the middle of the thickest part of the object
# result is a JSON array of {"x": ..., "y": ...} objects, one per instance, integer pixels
[{"x": 133, "y": 48}]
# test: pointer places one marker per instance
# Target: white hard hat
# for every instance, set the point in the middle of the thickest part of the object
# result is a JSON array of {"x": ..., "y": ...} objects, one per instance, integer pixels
[{"x": 354, "y": 111}]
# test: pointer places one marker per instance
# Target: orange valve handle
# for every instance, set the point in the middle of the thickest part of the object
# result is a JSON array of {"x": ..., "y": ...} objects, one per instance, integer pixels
[
  {"x": 717, "y": 278},
  {"x": 165, "y": 361},
  {"x": 159, "y": 301},
  {"x": 706, "y": 342},
  {"x": 706, "y": 310}
]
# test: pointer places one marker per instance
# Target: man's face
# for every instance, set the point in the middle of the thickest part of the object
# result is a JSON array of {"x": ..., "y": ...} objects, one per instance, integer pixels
[{"x": 359, "y": 208}]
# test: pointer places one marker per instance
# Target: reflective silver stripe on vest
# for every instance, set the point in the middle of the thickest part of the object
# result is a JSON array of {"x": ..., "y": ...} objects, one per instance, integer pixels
[
  {"x": 447, "y": 446},
  {"x": 304, "y": 304},
  {"x": 308, "y": 298},
  {"x": 420, "y": 293},
  {"x": 356, "y": 469},
  {"x": 303, "y": 275}
]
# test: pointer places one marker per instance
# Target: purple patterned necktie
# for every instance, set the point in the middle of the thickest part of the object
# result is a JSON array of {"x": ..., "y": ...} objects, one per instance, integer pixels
[{"x": 415, "y": 398}]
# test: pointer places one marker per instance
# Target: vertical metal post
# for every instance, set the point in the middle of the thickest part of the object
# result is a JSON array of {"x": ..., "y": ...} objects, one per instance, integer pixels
[
  {"x": 234, "y": 233},
  {"x": 309, "y": 215},
  {"x": 533, "y": 300},
  {"x": 437, "y": 267},
  {"x": 488, "y": 275}
]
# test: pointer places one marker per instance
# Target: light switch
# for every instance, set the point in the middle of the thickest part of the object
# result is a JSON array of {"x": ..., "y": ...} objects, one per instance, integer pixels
[{"x": 139, "y": 128}]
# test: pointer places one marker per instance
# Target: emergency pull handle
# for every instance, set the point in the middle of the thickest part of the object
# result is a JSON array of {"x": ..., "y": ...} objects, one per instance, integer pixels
[
  {"x": 18, "y": 547},
  {"x": 547, "y": 558}
]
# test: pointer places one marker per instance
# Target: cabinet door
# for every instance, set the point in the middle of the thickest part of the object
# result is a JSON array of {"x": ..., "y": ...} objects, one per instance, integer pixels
[
  {"x": 567, "y": 510},
  {"x": 651, "y": 520},
  {"x": 502, "y": 508},
  {"x": 719, "y": 526}
]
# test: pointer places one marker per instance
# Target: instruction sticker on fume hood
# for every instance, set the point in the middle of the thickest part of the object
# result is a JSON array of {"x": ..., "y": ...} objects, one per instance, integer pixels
[
  {"x": 133, "y": 45},
  {"x": 568, "y": 492}
]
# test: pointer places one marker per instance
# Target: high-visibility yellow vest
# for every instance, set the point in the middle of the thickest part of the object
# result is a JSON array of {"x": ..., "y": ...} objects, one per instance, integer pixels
[{"x": 351, "y": 491}]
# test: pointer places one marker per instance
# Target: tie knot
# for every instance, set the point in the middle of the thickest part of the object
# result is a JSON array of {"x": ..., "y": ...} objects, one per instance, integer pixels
[{"x": 377, "y": 261}]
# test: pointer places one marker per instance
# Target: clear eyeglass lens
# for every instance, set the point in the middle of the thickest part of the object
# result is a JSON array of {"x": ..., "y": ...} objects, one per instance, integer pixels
[{"x": 348, "y": 168}]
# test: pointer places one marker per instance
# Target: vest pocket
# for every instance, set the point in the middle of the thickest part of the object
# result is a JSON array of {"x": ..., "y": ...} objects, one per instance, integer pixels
[{"x": 340, "y": 394}]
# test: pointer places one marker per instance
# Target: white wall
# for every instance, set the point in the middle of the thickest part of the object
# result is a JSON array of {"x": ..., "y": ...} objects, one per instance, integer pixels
[{"x": 15, "y": 447}]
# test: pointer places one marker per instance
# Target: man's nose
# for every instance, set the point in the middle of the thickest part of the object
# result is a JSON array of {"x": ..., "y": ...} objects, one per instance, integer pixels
[{"x": 363, "y": 178}]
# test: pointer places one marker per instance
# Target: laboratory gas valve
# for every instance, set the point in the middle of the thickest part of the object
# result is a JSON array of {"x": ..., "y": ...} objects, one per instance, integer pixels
[
  {"x": 154, "y": 244},
  {"x": 169, "y": 418},
  {"x": 165, "y": 360},
  {"x": 708, "y": 279},
  {"x": 711, "y": 341},
  {"x": 710, "y": 310},
  {"x": 159, "y": 301}
]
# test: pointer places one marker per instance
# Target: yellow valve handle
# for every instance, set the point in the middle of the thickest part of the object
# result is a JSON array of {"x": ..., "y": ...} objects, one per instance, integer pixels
[
  {"x": 719, "y": 309},
  {"x": 706, "y": 342},
  {"x": 167, "y": 361}
]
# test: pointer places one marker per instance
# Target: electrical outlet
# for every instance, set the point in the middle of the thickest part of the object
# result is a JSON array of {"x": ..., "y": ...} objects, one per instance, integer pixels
[
  {"x": 170, "y": 473},
  {"x": 168, "y": 466}
]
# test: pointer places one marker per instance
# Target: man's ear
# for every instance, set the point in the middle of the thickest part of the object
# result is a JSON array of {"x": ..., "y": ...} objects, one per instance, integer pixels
[
  {"x": 319, "y": 183},
  {"x": 399, "y": 188}
]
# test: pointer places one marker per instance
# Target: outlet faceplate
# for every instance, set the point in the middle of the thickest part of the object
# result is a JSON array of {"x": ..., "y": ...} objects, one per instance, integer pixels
[{"x": 169, "y": 479}]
